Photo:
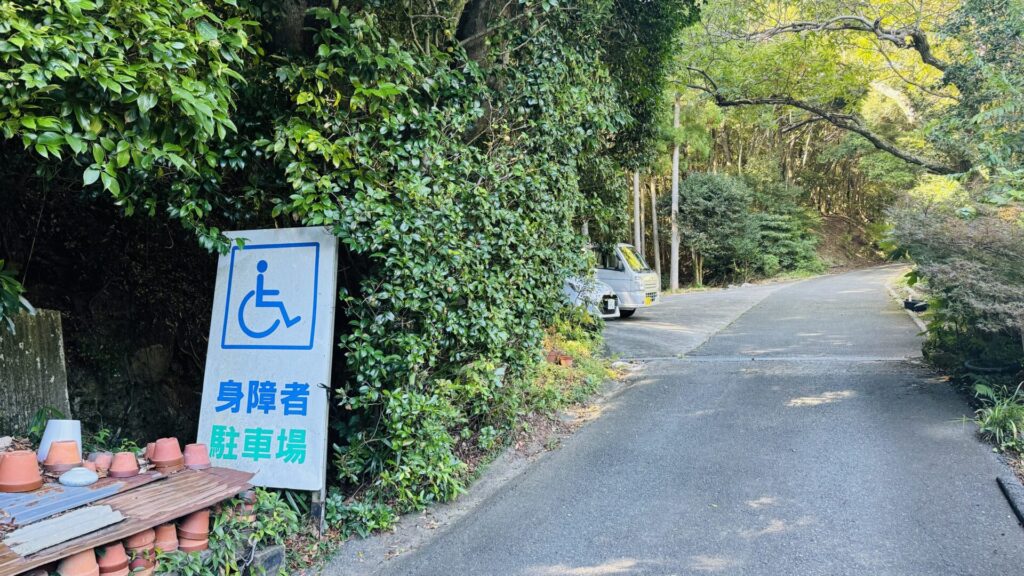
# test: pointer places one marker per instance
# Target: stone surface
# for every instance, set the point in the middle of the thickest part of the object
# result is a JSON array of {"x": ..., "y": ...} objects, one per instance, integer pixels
[
  {"x": 32, "y": 370},
  {"x": 267, "y": 561}
]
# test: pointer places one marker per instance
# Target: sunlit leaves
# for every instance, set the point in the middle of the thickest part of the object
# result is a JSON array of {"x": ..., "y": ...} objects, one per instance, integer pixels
[{"x": 128, "y": 91}]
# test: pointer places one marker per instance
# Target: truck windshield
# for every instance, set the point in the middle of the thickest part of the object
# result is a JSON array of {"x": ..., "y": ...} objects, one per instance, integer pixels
[{"x": 633, "y": 260}]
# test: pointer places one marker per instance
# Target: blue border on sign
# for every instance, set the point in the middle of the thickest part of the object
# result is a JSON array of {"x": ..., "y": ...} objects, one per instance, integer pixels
[{"x": 227, "y": 299}]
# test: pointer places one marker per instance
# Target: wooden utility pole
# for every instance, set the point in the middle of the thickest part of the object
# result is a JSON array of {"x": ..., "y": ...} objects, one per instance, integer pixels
[
  {"x": 637, "y": 231},
  {"x": 654, "y": 225},
  {"x": 674, "y": 257}
]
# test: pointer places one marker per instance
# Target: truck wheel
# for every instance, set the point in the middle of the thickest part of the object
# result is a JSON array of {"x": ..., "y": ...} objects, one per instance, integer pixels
[{"x": 626, "y": 313}]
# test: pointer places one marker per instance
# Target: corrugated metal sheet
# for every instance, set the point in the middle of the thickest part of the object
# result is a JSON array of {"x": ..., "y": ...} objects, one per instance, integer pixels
[
  {"x": 54, "y": 498},
  {"x": 54, "y": 531},
  {"x": 143, "y": 507}
]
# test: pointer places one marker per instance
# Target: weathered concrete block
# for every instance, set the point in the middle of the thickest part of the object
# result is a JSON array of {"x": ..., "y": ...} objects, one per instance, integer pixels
[
  {"x": 32, "y": 372},
  {"x": 266, "y": 562}
]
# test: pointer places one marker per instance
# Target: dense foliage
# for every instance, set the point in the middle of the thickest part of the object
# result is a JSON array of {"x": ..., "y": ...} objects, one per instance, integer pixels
[
  {"x": 455, "y": 154},
  {"x": 736, "y": 229}
]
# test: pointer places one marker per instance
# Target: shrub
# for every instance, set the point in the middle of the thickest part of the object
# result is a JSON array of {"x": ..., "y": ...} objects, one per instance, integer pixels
[{"x": 358, "y": 518}]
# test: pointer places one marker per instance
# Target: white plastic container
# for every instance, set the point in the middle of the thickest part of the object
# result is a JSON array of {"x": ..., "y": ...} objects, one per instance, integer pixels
[{"x": 60, "y": 430}]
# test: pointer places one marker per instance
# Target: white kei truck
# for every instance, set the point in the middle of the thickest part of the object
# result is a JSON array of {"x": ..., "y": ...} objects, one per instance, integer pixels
[{"x": 635, "y": 284}]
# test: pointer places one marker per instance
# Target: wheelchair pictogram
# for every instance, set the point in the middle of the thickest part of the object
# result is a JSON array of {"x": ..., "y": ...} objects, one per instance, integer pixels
[
  {"x": 271, "y": 298},
  {"x": 260, "y": 293}
]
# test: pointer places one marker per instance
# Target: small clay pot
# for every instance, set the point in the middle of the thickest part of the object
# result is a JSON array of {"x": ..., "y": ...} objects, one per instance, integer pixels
[
  {"x": 141, "y": 540},
  {"x": 59, "y": 430},
  {"x": 149, "y": 450},
  {"x": 166, "y": 537},
  {"x": 188, "y": 545},
  {"x": 19, "y": 472},
  {"x": 101, "y": 460},
  {"x": 144, "y": 559},
  {"x": 197, "y": 457},
  {"x": 63, "y": 456},
  {"x": 166, "y": 452},
  {"x": 195, "y": 526},
  {"x": 167, "y": 456},
  {"x": 81, "y": 564},
  {"x": 114, "y": 560},
  {"x": 90, "y": 466},
  {"x": 565, "y": 360},
  {"x": 124, "y": 465}
]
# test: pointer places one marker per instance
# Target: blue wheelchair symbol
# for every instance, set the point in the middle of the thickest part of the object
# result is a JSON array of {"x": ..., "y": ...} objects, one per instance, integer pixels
[
  {"x": 260, "y": 294},
  {"x": 270, "y": 301}
]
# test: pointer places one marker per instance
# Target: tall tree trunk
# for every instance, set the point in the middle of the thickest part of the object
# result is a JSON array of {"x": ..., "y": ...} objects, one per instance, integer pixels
[
  {"x": 698, "y": 267},
  {"x": 637, "y": 230},
  {"x": 674, "y": 255},
  {"x": 654, "y": 231}
]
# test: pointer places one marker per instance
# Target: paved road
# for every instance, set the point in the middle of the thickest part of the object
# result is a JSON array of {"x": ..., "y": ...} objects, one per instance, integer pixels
[{"x": 774, "y": 430}]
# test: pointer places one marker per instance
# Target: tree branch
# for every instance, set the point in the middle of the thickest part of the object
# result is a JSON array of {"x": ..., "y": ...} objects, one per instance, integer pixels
[
  {"x": 906, "y": 38},
  {"x": 847, "y": 122}
]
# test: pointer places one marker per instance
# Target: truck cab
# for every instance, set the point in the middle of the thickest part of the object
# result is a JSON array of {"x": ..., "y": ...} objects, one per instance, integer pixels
[{"x": 623, "y": 268}]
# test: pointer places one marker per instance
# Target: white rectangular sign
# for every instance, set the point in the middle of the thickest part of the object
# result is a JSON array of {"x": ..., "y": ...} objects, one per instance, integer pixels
[{"x": 268, "y": 363}]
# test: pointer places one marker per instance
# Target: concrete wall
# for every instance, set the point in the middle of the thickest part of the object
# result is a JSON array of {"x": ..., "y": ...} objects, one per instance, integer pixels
[{"x": 32, "y": 373}]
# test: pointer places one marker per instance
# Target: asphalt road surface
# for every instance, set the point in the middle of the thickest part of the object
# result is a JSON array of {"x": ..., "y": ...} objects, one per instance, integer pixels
[{"x": 785, "y": 429}]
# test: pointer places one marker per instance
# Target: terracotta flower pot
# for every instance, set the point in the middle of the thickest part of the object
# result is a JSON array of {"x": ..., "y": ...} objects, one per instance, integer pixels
[
  {"x": 90, "y": 466},
  {"x": 149, "y": 450},
  {"x": 167, "y": 456},
  {"x": 81, "y": 564},
  {"x": 565, "y": 360},
  {"x": 124, "y": 465},
  {"x": 114, "y": 560},
  {"x": 101, "y": 460},
  {"x": 166, "y": 537},
  {"x": 63, "y": 456},
  {"x": 197, "y": 457},
  {"x": 189, "y": 545},
  {"x": 141, "y": 540},
  {"x": 144, "y": 559},
  {"x": 59, "y": 430},
  {"x": 195, "y": 526},
  {"x": 19, "y": 472}
]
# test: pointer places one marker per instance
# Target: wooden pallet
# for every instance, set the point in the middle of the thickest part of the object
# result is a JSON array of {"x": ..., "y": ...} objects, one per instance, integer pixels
[{"x": 144, "y": 507}]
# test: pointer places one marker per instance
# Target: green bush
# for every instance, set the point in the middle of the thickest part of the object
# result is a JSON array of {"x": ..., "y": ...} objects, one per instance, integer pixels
[
  {"x": 736, "y": 230},
  {"x": 452, "y": 176},
  {"x": 233, "y": 538},
  {"x": 358, "y": 518},
  {"x": 11, "y": 299},
  {"x": 787, "y": 240},
  {"x": 1001, "y": 419}
]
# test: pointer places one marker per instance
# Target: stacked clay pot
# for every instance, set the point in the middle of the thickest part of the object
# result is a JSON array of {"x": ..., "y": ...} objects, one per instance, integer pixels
[
  {"x": 63, "y": 456},
  {"x": 194, "y": 532},
  {"x": 114, "y": 561},
  {"x": 248, "y": 505},
  {"x": 81, "y": 564},
  {"x": 19, "y": 471},
  {"x": 123, "y": 465},
  {"x": 142, "y": 550},
  {"x": 197, "y": 457},
  {"x": 167, "y": 456},
  {"x": 166, "y": 538}
]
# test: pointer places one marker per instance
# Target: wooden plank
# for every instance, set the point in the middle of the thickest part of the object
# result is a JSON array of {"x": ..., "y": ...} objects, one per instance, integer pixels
[
  {"x": 54, "y": 531},
  {"x": 54, "y": 498},
  {"x": 144, "y": 507}
]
